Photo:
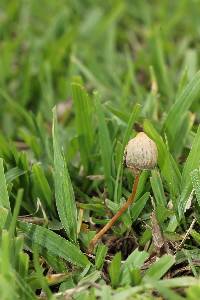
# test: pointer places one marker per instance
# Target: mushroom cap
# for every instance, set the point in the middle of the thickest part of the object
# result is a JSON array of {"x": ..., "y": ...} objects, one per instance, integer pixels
[{"x": 141, "y": 153}]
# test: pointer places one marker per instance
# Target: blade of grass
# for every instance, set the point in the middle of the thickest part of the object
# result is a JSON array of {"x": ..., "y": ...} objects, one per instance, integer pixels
[
  {"x": 41, "y": 184},
  {"x": 131, "y": 70},
  {"x": 87, "y": 73},
  {"x": 166, "y": 292},
  {"x": 84, "y": 126},
  {"x": 5, "y": 252},
  {"x": 160, "y": 267},
  {"x": 177, "y": 112},
  {"x": 39, "y": 273},
  {"x": 24, "y": 288},
  {"x": 105, "y": 144},
  {"x": 183, "y": 133},
  {"x": 195, "y": 177},
  {"x": 196, "y": 236},
  {"x": 136, "y": 259},
  {"x": 166, "y": 162},
  {"x": 138, "y": 206},
  {"x": 192, "y": 162},
  {"x": 157, "y": 187},
  {"x": 3, "y": 217},
  {"x": 4, "y": 198},
  {"x": 160, "y": 65},
  {"x": 132, "y": 119},
  {"x": 100, "y": 256},
  {"x": 19, "y": 111},
  {"x": 65, "y": 200},
  {"x": 114, "y": 269},
  {"x": 16, "y": 212},
  {"x": 13, "y": 173},
  {"x": 193, "y": 159},
  {"x": 55, "y": 244}
]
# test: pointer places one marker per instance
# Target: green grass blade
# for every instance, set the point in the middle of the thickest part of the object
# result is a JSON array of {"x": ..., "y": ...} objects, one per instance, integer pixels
[
  {"x": 4, "y": 198},
  {"x": 5, "y": 252},
  {"x": 25, "y": 290},
  {"x": 105, "y": 145},
  {"x": 114, "y": 269},
  {"x": 55, "y": 244},
  {"x": 4, "y": 212},
  {"x": 160, "y": 65},
  {"x": 41, "y": 185},
  {"x": 182, "y": 281},
  {"x": 23, "y": 264},
  {"x": 13, "y": 173},
  {"x": 195, "y": 177},
  {"x": 138, "y": 206},
  {"x": 166, "y": 292},
  {"x": 182, "y": 134},
  {"x": 136, "y": 259},
  {"x": 16, "y": 212},
  {"x": 178, "y": 111},
  {"x": 192, "y": 162},
  {"x": 157, "y": 187},
  {"x": 87, "y": 73},
  {"x": 18, "y": 110},
  {"x": 65, "y": 200},
  {"x": 166, "y": 162},
  {"x": 160, "y": 267},
  {"x": 193, "y": 292},
  {"x": 132, "y": 75},
  {"x": 83, "y": 118},
  {"x": 100, "y": 256},
  {"x": 196, "y": 236},
  {"x": 117, "y": 112},
  {"x": 39, "y": 273},
  {"x": 193, "y": 159},
  {"x": 132, "y": 119}
]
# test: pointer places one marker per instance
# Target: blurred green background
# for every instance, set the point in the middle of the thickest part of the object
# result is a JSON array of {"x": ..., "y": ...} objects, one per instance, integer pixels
[{"x": 111, "y": 44}]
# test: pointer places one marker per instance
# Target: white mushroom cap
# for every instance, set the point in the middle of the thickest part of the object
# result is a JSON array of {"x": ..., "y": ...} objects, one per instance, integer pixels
[{"x": 141, "y": 153}]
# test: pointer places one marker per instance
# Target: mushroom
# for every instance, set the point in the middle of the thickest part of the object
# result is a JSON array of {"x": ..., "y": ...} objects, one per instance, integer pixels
[{"x": 140, "y": 154}]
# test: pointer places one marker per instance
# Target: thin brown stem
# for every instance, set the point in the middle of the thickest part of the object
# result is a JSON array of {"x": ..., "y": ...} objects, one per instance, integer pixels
[{"x": 116, "y": 216}]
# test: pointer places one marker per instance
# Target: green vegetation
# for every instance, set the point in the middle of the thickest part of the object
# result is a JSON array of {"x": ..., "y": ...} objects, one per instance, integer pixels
[{"x": 78, "y": 79}]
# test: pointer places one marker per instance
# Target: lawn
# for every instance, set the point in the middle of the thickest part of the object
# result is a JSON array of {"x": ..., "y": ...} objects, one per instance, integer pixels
[{"x": 78, "y": 80}]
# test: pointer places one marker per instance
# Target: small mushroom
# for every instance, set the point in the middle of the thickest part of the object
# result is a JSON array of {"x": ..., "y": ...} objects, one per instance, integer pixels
[{"x": 140, "y": 153}]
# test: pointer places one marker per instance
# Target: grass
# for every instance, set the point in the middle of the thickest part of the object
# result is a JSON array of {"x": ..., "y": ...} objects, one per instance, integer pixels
[{"x": 78, "y": 79}]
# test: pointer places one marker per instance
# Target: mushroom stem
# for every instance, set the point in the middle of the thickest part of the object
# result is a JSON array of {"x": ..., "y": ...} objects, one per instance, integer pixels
[{"x": 116, "y": 216}]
